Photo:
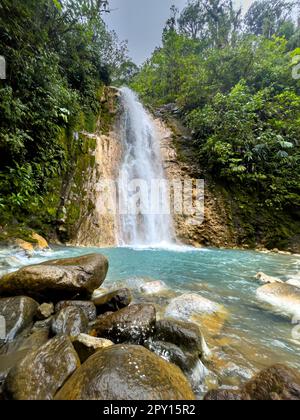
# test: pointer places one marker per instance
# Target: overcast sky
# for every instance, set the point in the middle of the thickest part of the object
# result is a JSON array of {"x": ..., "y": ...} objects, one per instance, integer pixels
[{"x": 141, "y": 23}]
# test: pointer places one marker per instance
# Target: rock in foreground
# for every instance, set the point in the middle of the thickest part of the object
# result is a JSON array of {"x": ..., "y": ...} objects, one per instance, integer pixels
[
  {"x": 276, "y": 383},
  {"x": 133, "y": 324},
  {"x": 113, "y": 301},
  {"x": 42, "y": 372},
  {"x": 57, "y": 280},
  {"x": 70, "y": 321},
  {"x": 86, "y": 345},
  {"x": 18, "y": 313},
  {"x": 126, "y": 373},
  {"x": 283, "y": 297}
]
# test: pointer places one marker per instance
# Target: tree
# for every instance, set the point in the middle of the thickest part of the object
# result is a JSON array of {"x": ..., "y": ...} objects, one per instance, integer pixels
[
  {"x": 192, "y": 21},
  {"x": 267, "y": 17},
  {"x": 215, "y": 21}
]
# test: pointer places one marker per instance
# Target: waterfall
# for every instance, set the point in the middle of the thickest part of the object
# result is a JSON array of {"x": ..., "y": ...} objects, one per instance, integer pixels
[{"x": 142, "y": 161}]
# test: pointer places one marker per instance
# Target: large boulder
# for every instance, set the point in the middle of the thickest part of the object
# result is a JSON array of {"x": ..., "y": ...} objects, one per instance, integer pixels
[
  {"x": 87, "y": 307},
  {"x": 17, "y": 314},
  {"x": 283, "y": 297},
  {"x": 58, "y": 279},
  {"x": 186, "y": 335},
  {"x": 133, "y": 324},
  {"x": 42, "y": 372},
  {"x": 70, "y": 321},
  {"x": 19, "y": 349},
  {"x": 113, "y": 301},
  {"x": 129, "y": 373},
  {"x": 183, "y": 344},
  {"x": 195, "y": 308},
  {"x": 185, "y": 306},
  {"x": 275, "y": 383},
  {"x": 186, "y": 360}
]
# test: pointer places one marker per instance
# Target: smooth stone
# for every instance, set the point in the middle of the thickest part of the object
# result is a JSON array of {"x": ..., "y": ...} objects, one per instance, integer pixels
[
  {"x": 40, "y": 241},
  {"x": 153, "y": 287},
  {"x": 20, "y": 349},
  {"x": 187, "y": 361},
  {"x": 87, "y": 307},
  {"x": 282, "y": 297},
  {"x": 133, "y": 324},
  {"x": 44, "y": 324},
  {"x": 19, "y": 313},
  {"x": 70, "y": 321},
  {"x": 113, "y": 301},
  {"x": 129, "y": 373},
  {"x": 186, "y": 335},
  {"x": 224, "y": 395},
  {"x": 24, "y": 246},
  {"x": 277, "y": 383},
  {"x": 185, "y": 306},
  {"x": 264, "y": 278},
  {"x": 42, "y": 372},
  {"x": 58, "y": 279},
  {"x": 45, "y": 311},
  {"x": 86, "y": 345},
  {"x": 294, "y": 282}
]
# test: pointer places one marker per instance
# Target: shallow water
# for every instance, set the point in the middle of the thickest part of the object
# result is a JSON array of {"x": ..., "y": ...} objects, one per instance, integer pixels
[{"x": 253, "y": 337}]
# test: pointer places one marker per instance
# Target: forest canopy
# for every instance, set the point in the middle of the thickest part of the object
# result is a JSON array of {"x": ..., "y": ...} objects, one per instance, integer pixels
[{"x": 231, "y": 75}]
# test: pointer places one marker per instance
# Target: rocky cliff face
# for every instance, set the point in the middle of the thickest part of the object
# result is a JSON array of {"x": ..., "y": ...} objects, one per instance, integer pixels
[
  {"x": 85, "y": 219},
  {"x": 214, "y": 229}
]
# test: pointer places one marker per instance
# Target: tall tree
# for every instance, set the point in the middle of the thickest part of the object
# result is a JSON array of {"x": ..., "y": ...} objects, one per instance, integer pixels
[
  {"x": 267, "y": 17},
  {"x": 215, "y": 21}
]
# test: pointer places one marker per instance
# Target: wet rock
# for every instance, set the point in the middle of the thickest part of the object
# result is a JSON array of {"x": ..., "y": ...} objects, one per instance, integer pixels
[
  {"x": 153, "y": 287},
  {"x": 185, "y": 306},
  {"x": 42, "y": 372},
  {"x": 186, "y": 335},
  {"x": 113, "y": 301},
  {"x": 263, "y": 278},
  {"x": 275, "y": 383},
  {"x": 24, "y": 246},
  {"x": 125, "y": 372},
  {"x": 20, "y": 348},
  {"x": 173, "y": 354},
  {"x": 70, "y": 321},
  {"x": 41, "y": 242},
  {"x": 18, "y": 313},
  {"x": 86, "y": 345},
  {"x": 282, "y": 297},
  {"x": 224, "y": 395},
  {"x": 133, "y": 324},
  {"x": 294, "y": 282},
  {"x": 43, "y": 325},
  {"x": 209, "y": 315},
  {"x": 45, "y": 311},
  {"x": 57, "y": 280},
  {"x": 87, "y": 307}
]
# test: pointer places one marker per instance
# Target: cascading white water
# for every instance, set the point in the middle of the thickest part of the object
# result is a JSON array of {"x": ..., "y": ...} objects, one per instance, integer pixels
[{"x": 141, "y": 161}]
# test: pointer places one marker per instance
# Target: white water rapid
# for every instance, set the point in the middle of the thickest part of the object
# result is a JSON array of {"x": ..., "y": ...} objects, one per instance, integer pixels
[{"x": 142, "y": 166}]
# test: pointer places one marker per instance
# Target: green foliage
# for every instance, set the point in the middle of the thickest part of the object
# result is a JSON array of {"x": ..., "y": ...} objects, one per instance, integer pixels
[{"x": 59, "y": 54}]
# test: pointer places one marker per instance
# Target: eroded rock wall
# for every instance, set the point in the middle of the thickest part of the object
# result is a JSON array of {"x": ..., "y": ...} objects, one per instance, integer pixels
[
  {"x": 215, "y": 229},
  {"x": 85, "y": 220}
]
